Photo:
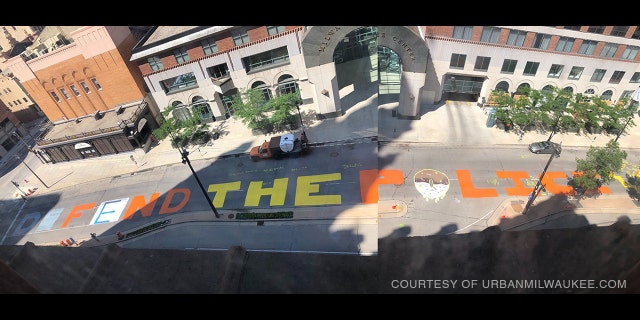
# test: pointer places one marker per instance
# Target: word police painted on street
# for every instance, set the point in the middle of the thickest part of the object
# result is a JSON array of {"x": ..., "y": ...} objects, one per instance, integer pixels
[{"x": 307, "y": 193}]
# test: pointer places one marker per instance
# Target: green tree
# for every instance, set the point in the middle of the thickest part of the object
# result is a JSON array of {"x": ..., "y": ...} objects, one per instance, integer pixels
[
  {"x": 257, "y": 113},
  {"x": 599, "y": 166}
]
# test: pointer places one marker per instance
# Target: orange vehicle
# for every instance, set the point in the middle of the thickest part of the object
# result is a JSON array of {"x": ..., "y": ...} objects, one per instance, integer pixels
[{"x": 279, "y": 147}]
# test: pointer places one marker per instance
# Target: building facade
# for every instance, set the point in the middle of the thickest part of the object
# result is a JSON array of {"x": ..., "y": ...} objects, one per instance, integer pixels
[
  {"x": 84, "y": 72},
  {"x": 11, "y": 131}
]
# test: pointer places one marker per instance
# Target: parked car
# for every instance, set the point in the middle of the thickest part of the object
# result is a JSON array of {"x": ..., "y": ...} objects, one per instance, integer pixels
[{"x": 544, "y": 147}]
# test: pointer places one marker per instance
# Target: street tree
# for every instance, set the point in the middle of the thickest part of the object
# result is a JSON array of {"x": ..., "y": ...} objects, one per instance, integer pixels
[
  {"x": 255, "y": 111},
  {"x": 599, "y": 166}
]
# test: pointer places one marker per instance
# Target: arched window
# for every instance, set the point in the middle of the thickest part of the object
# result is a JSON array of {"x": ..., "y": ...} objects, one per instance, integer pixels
[
  {"x": 547, "y": 89},
  {"x": 265, "y": 89},
  {"x": 202, "y": 108},
  {"x": 568, "y": 89},
  {"x": 287, "y": 84},
  {"x": 607, "y": 95},
  {"x": 181, "y": 112},
  {"x": 523, "y": 88},
  {"x": 502, "y": 86}
]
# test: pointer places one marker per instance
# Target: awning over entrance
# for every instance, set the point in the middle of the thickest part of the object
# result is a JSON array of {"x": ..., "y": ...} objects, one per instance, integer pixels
[{"x": 82, "y": 145}]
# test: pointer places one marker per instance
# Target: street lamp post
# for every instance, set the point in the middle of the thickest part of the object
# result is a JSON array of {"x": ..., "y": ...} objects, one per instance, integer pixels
[
  {"x": 185, "y": 159},
  {"x": 37, "y": 177},
  {"x": 538, "y": 187},
  {"x": 300, "y": 115}
]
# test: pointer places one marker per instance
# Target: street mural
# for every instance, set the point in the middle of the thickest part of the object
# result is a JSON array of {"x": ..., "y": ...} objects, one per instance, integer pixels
[{"x": 431, "y": 184}]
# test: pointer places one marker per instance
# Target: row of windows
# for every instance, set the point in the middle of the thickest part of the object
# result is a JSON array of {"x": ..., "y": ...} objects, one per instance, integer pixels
[
  {"x": 75, "y": 90},
  {"x": 17, "y": 102},
  {"x": 209, "y": 46},
  {"x": 541, "y": 41},
  {"x": 606, "y": 95},
  {"x": 531, "y": 68}
]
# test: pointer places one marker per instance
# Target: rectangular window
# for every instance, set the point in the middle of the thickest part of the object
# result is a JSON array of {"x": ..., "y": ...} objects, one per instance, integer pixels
[
  {"x": 635, "y": 78},
  {"x": 219, "y": 71},
  {"x": 490, "y": 34},
  {"x": 85, "y": 87},
  {"x": 541, "y": 41},
  {"x": 575, "y": 73},
  {"x": 508, "y": 66},
  {"x": 596, "y": 29},
  {"x": 75, "y": 90},
  {"x": 516, "y": 38},
  {"x": 609, "y": 50},
  {"x": 555, "y": 71},
  {"x": 273, "y": 30},
  {"x": 65, "y": 94},
  {"x": 630, "y": 53},
  {"x": 155, "y": 63},
  {"x": 565, "y": 44},
  {"x": 616, "y": 77},
  {"x": 619, "y": 31},
  {"x": 183, "y": 81},
  {"x": 25, "y": 99},
  {"x": 462, "y": 32},
  {"x": 587, "y": 47},
  {"x": 457, "y": 61},
  {"x": 240, "y": 38},
  {"x": 482, "y": 63},
  {"x": 577, "y": 28},
  {"x": 636, "y": 34},
  {"x": 10, "y": 105},
  {"x": 181, "y": 55},
  {"x": 96, "y": 84},
  {"x": 598, "y": 74},
  {"x": 531, "y": 68},
  {"x": 55, "y": 96},
  {"x": 209, "y": 46},
  {"x": 266, "y": 59}
]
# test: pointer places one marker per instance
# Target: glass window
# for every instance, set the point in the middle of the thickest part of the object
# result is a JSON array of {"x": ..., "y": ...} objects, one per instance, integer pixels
[
  {"x": 457, "y": 61},
  {"x": 65, "y": 94},
  {"x": 265, "y": 59},
  {"x": 635, "y": 78},
  {"x": 587, "y": 47},
  {"x": 555, "y": 71},
  {"x": 209, "y": 46},
  {"x": 181, "y": 55},
  {"x": 287, "y": 84},
  {"x": 616, "y": 77},
  {"x": 155, "y": 63},
  {"x": 575, "y": 73},
  {"x": 265, "y": 89},
  {"x": 596, "y": 29},
  {"x": 218, "y": 71},
  {"x": 531, "y": 68},
  {"x": 508, "y": 66},
  {"x": 516, "y": 38},
  {"x": 609, "y": 50},
  {"x": 96, "y": 84},
  {"x": 482, "y": 63},
  {"x": 273, "y": 30},
  {"x": 577, "y": 28},
  {"x": 607, "y": 95},
  {"x": 619, "y": 31},
  {"x": 565, "y": 44},
  {"x": 490, "y": 34},
  {"x": 636, "y": 34},
  {"x": 462, "y": 32},
  {"x": 75, "y": 90},
  {"x": 240, "y": 38},
  {"x": 630, "y": 53},
  {"x": 85, "y": 87},
  {"x": 541, "y": 41},
  {"x": 183, "y": 81},
  {"x": 598, "y": 74}
]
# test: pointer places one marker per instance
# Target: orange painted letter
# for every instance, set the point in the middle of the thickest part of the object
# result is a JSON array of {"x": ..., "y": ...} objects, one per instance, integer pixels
[
  {"x": 165, "y": 205},
  {"x": 469, "y": 191},
  {"x": 139, "y": 203},
  {"x": 369, "y": 180}
]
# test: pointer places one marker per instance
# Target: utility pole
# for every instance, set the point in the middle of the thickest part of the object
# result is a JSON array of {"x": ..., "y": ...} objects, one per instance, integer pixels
[{"x": 537, "y": 188}]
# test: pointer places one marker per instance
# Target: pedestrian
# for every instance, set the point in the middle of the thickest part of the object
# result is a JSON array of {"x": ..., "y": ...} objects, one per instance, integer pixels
[
  {"x": 68, "y": 242},
  {"x": 73, "y": 241},
  {"x": 94, "y": 237},
  {"x": 120, "y": 235},
  {"x": 62, "y": 243}
]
